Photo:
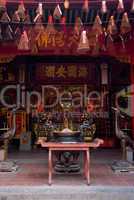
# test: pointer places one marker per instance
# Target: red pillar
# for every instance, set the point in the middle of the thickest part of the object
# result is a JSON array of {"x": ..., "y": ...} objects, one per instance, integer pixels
[{"x": 132, "y": 92}]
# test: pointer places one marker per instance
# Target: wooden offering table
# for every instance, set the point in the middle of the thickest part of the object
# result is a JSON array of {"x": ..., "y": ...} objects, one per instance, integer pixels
[{"x": 82, "y": 146}]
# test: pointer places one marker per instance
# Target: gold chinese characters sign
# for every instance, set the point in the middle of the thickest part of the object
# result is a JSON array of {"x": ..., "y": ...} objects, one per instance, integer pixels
[{"x": 63, "y": 72}]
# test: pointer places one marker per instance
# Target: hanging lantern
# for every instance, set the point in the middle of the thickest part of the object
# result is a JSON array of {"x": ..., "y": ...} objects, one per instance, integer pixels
[
  {"x": 84, "y": 43},
  {"x": 21, "y": 11},
  {"x": 97, "y": 26},
  {"x": 120, "y": 5},
  {"x": 66, "y": 4},
  {"x": 104, "y": 6},
  {"x": 57, "y": 12},
  {"x": 86, "y": 6},
  {"x": 78, "y": 25},
  {"x": 112, "y": 28},
  {"x": 125, "y": 24},
  {"x": 24, "y": 42}
]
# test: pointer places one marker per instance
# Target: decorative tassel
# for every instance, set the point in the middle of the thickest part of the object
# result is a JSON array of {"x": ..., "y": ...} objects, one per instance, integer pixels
[
  {"x": 66, "y": 4},
  {"x": 125, "y": 24},
  {"x": 24, "y": 42},
  {"x": 112, "y": 28},
  {"x": 104, "y": 6},
  {"x": 84, "y": 42},
  {"x": 86, "y": 6},
  {"x": 120, "y": 5},
  {"x": 78, "y": 25},
  {"x": 57, "y": 12}
]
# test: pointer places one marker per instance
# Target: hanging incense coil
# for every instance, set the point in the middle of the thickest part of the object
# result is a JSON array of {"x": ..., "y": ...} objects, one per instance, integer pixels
[{"x": 84, "y": 43}]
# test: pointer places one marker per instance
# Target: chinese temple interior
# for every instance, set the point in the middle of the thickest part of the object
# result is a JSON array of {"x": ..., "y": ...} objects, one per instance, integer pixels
[{"x": 66, "y": 75}]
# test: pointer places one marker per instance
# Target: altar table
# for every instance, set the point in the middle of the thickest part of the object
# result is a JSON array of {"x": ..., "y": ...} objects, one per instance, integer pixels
[{"x": 85, "y": 147}]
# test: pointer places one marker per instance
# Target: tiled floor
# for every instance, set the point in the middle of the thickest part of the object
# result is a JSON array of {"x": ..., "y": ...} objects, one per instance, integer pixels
[{"x": 33, "y": 170}]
